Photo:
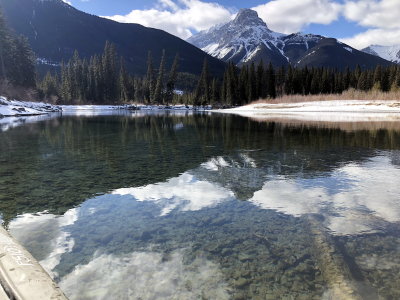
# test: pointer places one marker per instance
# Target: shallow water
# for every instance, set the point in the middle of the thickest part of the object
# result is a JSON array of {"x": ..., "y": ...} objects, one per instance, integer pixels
[{"x": 205, "y": 206}]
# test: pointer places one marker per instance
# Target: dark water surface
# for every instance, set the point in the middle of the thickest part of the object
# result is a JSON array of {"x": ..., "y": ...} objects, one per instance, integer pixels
[{"x": 205, "y": 206}]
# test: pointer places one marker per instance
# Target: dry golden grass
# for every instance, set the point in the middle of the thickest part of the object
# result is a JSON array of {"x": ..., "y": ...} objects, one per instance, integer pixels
[{"x": 350, "y": 94}]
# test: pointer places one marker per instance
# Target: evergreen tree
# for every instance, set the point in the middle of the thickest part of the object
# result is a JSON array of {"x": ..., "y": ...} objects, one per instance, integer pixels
[
  {"x": 378, "y": 77},
  {"x": 315, "y": 82},
  {"x": 346, "y": 79},
  {"x": 23, "y": 70},
  {"x": 49, "y": 85},
  {"x": 232, "y": 91},
  {"x": 202, "y": 93},
  {"x": 280, "y": 79},
  {"x": 224, "y": 88},
  {"x": 150, "y": 84},
  {"x": 65, "y": 84},
  {"x": 158, "y": 95},
  {"x": 325, "y": 82},
  {"x": 123, "y": 83},
  {"x": 385, "y": 84},
  {"x": 397, "y": 80},
  {"x": 251, "y": 85},
  {"x": 5, "y": 46},
  {"x": 17, "y": 64},
  {"x": 363, "y": 81},
  {"x": 243, "y": 83},
  {"x": 289, "y": 81},
  {"x": 172, "y": 77},
  {"x": 214, "y": 92},
  {"x": 271, "y": 82},
  {"x": 260, "y": 82},
  {"x": 109, "y": 72}
]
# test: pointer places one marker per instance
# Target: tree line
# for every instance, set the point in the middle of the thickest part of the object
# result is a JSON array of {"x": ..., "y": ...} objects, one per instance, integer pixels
[
  {"x": 17, "y": 63},
  {"x": 104, "y": 79},
  {"x": 243, "y": 85}
]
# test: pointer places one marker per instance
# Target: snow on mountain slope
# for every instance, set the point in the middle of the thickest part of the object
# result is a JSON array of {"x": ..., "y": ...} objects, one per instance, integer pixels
[
  {"x": 247, "y": 38},
  {"x": 240, "y": 39},
  {"x": 390, "y": 53}
]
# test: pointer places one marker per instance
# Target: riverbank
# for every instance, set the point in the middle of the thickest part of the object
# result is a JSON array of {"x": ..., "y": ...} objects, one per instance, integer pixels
[
  {"x": 324, "y": 110},
  {"x": 15, "y": 108},
  {"x": 328, "y": 110}
]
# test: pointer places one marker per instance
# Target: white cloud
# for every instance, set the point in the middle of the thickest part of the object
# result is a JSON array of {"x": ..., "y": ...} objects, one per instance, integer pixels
[
  {"x": 379, "y": 36},
  {"x": 372, "y": 13},
  {"x": 292, "y": 16},
  {"x": 183, "y": 17},
  {"x": 381, "y": 17},
  {"x": 179, "y": 17}
]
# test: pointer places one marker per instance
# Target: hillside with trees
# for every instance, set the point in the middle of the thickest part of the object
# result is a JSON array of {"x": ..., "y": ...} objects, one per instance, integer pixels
[
  {"x": 55, "y": 30},
  {"x": 17, "y": 64}
]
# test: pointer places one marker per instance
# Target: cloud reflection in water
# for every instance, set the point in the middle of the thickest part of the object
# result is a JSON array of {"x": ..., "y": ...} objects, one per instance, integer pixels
[
  {"x": 370, "y": 200},
  {"x": 145, "y": 275},
  {"x": 44, "y": 235},
  {"x": 184, "y": 192}
]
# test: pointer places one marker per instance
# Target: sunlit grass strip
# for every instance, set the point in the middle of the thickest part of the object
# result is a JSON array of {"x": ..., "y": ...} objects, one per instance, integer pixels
[{"x": 350, "y": 94}]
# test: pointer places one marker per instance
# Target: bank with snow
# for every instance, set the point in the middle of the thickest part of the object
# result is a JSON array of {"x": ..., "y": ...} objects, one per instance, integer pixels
[
  {"x": 332, "y": 110},
  {"x": 14, "y": 108}
]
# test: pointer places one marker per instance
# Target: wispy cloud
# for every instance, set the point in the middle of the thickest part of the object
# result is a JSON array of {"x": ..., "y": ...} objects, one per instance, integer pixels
[
  {"x": 292, "y": 16},
  {"x": 380, "y": 17},
  {"x": 180, "y": 17}
]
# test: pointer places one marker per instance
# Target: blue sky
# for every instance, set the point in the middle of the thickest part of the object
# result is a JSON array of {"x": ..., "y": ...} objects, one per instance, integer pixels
[
  {"x": 117, "y": 7},
  {"x": 356, "y": 22}
]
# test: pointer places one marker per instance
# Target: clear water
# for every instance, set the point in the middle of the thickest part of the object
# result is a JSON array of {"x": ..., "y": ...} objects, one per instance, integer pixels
[{"x": 205, "y": 206}]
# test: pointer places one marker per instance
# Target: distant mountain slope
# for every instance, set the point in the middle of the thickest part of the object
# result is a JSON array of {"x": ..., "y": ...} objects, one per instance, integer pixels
[
  {"x": 390, "y": 53},
  {"x": 55, "y": 30},
  {"x": 331, "y": 53},
  {"x": 248, "y": 39}
]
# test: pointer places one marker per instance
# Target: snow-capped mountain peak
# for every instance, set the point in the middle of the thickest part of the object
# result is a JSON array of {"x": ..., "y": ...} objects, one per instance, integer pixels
[
  {"x": 248, "y": 17},
  {"x": 239, "y": 40}
]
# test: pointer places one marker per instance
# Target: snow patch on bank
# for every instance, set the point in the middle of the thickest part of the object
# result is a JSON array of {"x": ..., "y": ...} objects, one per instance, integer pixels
[{"x": 13, "y": 108}]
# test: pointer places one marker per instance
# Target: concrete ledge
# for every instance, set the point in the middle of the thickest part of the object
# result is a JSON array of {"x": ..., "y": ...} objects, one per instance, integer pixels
[{"x": 21, "y": 276}]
